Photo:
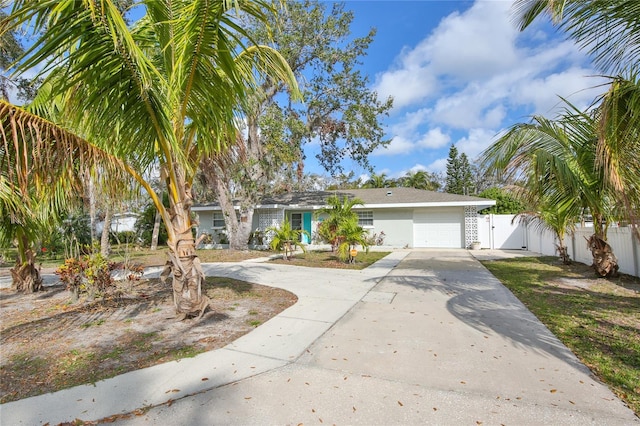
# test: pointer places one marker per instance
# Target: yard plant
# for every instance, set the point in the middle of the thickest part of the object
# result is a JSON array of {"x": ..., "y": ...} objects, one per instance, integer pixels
[{"x": 340, "y": 228}]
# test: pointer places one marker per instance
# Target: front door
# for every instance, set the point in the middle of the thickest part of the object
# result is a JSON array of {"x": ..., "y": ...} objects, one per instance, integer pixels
[{"x": 302, "y": 221}]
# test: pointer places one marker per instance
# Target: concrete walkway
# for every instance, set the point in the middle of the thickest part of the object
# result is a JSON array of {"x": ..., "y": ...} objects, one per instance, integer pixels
[{"x": 430, "y": 338}]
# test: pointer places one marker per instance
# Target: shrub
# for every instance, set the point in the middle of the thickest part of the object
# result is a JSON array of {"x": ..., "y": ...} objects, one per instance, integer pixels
[{"x": 89, "y": 274}]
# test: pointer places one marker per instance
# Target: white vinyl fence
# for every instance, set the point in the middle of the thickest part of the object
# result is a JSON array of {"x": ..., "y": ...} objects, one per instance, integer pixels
[{"x": 498, "y": 232}]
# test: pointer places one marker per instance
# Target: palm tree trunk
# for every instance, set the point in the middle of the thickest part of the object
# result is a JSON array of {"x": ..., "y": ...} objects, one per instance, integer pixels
[
  {"x": 106, "y": 229},
  {"x": 604, "y": 261},
  {"x": 25, "y": 276},
  {"x": 183, "y": 262},
  {"x": 156, "y": 231}
]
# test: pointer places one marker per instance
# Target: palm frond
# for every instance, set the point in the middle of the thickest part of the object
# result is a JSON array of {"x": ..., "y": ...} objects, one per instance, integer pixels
[{"x": 607, "y": 29}]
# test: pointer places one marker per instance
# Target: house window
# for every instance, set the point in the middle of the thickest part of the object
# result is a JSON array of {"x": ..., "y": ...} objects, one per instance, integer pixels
[
  {"x": 296, "y": 220},
  {"x": 365, "y": 218},
  {"x": 218, "y": 220}
]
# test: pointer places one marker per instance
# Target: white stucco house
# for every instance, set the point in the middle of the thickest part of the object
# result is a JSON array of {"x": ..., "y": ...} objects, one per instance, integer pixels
[{"x": 408, "y": 217}]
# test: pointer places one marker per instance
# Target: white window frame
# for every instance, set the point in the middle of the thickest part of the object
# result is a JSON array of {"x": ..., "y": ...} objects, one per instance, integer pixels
[
  {"x": 218, "y": 217},
  {"x": 365, "y": 218}
]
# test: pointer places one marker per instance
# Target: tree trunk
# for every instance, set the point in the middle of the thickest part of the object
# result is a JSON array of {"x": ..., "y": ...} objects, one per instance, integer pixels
[
  {"x": 156, "y": 231},
  {"x": 245, "y": 223},
  {"x": 91, "y": 193},
  {"x": 106, "y": 229},
  {"x": 183, "y": 262},
  {"x": 240, "y": 228},
  {"x": 563, "y": 253},
  {"x": 604, "y": 261},
  {"x": 25, "y": 276}
]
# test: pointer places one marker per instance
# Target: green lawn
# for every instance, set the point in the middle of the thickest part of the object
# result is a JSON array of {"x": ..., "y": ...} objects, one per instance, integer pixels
[{"x": 598, "y": 319}]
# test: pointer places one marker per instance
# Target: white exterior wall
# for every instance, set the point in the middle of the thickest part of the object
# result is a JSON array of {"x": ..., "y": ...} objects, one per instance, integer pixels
[
  {"x": 205, "y": 222},
  {"x": 397, "y": 225}
]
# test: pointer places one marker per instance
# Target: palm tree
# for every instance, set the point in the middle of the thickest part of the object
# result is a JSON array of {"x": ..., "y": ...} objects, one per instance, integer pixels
[
  {"x": 286, "y": 239},
  {"x": 556, "y": 162},
  {"x": 350, "y": 235},
  {"x": 560, "y": 220},
  {"x": 610, "y": 31},
  {"x": 420, "y": 180},
  {"x": 378, "y": 181},
  {"x": 338, "y": 212},
  {"x": 163, "y": 93}
]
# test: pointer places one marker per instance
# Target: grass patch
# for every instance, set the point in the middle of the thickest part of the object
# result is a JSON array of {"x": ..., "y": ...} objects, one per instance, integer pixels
[
  {"x": 95, "y": 323},
  {"x": 327, "y": 259},
  {"x": 598, "y": 319}
]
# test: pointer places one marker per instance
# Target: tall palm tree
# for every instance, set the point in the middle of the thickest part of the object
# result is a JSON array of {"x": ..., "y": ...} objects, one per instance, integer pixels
[
  {"x": 610, "y": 31},
  {"x": 163, "y": 92},
  {"x": 556, "y": 163}
]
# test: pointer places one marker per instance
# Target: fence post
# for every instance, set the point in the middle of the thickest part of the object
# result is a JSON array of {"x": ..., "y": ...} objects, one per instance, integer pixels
[{"x": 634, "y": 245}]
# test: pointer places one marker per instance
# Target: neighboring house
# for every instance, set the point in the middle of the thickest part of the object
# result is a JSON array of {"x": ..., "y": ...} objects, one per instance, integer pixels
[
  {"x": 120, "y": 222},
  {"x": 409, "y": 217}
]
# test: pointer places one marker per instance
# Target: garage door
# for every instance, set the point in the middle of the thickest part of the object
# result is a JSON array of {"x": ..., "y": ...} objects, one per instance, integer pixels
[{"x": 438, "y": 228}]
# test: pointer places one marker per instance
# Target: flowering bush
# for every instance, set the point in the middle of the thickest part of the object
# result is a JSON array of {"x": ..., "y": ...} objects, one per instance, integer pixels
[{"x": 90, "y": 274}]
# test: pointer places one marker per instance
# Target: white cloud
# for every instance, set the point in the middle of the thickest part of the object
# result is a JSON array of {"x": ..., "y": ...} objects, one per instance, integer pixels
[
  {"x": 575, "y": 84},
  {"x": 434, "y": 138},
  {"x": 398, "y": 145},
  {"x": 406, "y": 86},
  {"x": 410, "y": 140},
  {"x": 475, "y": 67},
  {"x": 438, "y": 166},
  {"x": 475, "y": 44},
  {"x": 476, "y": 141}
]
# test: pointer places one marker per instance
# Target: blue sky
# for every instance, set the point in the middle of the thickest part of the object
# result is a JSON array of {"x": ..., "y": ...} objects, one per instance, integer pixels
[{"x": 460, "y": 72}]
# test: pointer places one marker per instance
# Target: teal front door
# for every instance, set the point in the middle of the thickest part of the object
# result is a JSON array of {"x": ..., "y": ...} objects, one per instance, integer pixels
[{"x": 306, "y": 225}]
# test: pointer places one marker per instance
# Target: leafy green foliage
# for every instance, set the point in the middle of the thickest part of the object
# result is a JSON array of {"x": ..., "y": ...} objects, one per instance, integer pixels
[
  {"x": 286, "y": 239},
  {"x": 349, "y": 235},
  {"x": 420, "y": 180},
  {"x": 379, "y": 181},
  {"x": 90, "y": 274},
  {"x": 340, "y": 228},
  {"x": 505, "y": 202}
]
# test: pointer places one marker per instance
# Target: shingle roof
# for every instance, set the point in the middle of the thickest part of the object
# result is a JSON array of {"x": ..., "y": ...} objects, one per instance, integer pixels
[{"x": 374, "y": 197}]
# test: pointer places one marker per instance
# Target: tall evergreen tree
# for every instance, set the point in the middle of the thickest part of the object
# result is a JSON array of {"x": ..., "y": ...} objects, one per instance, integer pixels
[
  {"x": 452, "y": 181},
  {"x": 466, "y": 177}
]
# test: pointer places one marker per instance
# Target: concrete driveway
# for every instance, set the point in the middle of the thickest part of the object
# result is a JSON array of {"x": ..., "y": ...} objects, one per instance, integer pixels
[
  {"x": 421, "y": 337},
  {"x": 437, "y": 341}
]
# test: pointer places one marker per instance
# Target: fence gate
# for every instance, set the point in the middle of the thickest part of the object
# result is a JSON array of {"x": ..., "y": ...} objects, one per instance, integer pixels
[{"x": 497, "y": 232}]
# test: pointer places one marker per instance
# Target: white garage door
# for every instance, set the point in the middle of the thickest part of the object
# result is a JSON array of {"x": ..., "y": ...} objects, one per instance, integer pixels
[{"x": 438, "y": 228}]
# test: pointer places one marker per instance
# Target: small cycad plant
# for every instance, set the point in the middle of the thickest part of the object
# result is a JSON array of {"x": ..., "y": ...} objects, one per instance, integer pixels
[
  {"x": 350, "y": 234},
  {"x": 286, "y": 239}
]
